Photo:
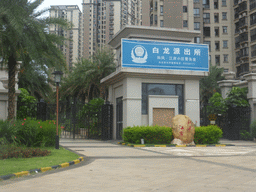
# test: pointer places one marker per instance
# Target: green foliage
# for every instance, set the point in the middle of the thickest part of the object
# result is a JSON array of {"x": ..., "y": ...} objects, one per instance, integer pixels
[
  {"x": 85, "y": 77},
  {"x": 245, "y": 135},
  {"x": 28, "y": 132},
  {"x": 26, "y": 104},
  {"x": 7, "y": 132},
  {"x": 208, "y": 84},
  {"x": 217, "y": 104},
  {"x": 12, "y": 151},
  {"x": 150, "y": 134},
  {"x": 253, "y": 128},
  {"x": 91, "y": 111},
  {"x": 207, "y": 134},
  {"x": 238, "y": 97}
]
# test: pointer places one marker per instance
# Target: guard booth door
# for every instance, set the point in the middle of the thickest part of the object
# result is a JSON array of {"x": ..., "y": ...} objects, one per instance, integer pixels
[{"x": 119, "y": 118}]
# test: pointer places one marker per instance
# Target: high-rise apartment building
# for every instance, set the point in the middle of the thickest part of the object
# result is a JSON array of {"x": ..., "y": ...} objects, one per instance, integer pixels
[
  {"x": 244, "y": 19},
  {"x": 104, "y": 18},
  {"x": 212, "y": 17},
  {"x": 73, "y": 47}
]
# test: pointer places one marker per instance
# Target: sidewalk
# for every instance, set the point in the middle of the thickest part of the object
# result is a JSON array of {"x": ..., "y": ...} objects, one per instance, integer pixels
[{"x": 110, "y": 167}]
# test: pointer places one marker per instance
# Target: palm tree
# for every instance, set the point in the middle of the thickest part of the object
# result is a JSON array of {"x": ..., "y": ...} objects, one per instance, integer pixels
[
  {"x": 85, "y": 77},
  {"x": 209, "y": 85},
  {"x": 24, "y": 36}
]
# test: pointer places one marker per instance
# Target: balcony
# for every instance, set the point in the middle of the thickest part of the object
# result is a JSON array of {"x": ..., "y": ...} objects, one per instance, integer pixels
[
  {"x": 243, "y": 22},
  {"x": 243, "y": 37},
  {"x": 235, "y": 2},
  {"x": 252, "y": 5},
  {"x": 238, "y": 60},
  {"x": 253, "y": 53},
  {"x": 253, "y": 38}
]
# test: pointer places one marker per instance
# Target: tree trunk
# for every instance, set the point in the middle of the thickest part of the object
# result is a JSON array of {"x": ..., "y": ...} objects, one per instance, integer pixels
[{"x": 11, "y": 87}]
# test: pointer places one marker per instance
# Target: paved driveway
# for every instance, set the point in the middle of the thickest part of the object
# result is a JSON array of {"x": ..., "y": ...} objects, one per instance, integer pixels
[{"x": 112, "y": 167}]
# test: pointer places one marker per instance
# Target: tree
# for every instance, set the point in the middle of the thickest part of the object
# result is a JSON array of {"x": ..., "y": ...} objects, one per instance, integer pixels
[
  {"x": 86, "y": 75},
  {"x": 208, "y": 85},
  {"x": 24, "y": 36}
]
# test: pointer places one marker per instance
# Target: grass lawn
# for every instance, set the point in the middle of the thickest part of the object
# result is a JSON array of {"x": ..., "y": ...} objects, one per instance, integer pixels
[{"x": 57, "y": 156}]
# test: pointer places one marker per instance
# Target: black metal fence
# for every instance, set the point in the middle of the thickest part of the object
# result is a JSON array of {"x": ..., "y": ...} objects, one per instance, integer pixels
[
  {"x": 77, "y": 120},
  {"x": 232, "y": 123}
]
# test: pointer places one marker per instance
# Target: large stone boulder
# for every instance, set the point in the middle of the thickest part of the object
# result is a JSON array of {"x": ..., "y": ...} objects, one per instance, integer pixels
[{"x": 183, "y": 130}]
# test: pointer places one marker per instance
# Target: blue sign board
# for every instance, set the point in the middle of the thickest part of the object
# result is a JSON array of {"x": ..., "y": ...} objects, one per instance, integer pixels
[{"x": 164, "y": 55}]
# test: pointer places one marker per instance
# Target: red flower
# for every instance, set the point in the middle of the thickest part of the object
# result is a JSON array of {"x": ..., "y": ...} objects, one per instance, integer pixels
[
  {"x": 62, "y": 127},
  {"x": 182, "y": 127},
  {"x": 189, "y": 128},
  {"x": 15, "y": 137},
  {"x": 24, "y": 119},
  {"x": 181, "y": 133},
  {"x": 40, "y": 126},
  {"x": 38, "y": 122},
  {"x": 14, "y": 124},
  {"x": 22, "y": 123},
  {"x": 49, "y": 122}
]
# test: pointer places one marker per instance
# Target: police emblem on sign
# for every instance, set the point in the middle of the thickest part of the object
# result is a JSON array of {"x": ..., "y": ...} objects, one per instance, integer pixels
[{"x": 139, "y": 54}]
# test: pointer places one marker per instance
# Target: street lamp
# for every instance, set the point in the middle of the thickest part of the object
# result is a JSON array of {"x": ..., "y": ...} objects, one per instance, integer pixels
[{"x": 57, "y": 79}]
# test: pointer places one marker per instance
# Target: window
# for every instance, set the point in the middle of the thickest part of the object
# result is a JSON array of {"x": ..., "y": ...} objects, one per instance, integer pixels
[
  {"x": 216, "y": 17},
  {"x": 206, "y": 4},
  {"x": 207, "y": 31},
  {"x": 225, "y": 57},
  {"x": 196, "y": 26},
  {"x": 206, "y": 17},
  {"x": 216, "y": 31},
  {"x": 224, "y": 15},
  {"x": 161, "y": 23},
  {"x": 197, "y": 40},
  {"x": 217, "y": 60},
  {"x": 196, "y": 1},
  {"x": 225, "y": 29},
  {"x": 216, "y": 4},
  {"x": 225, "y": 44},
  {"x": 226, "y": 70},
  {"x": 209, "y": 44},
  {"x": 161, "y": 89},
  {"x": 253, "y": 18},
  {"x": 224, "y": 3},
  {"x": 161, "y": 9},
  {"x": 185, "y": 23},
  {"x": 155, "y": 5},
  {"x": 217, "y": 45},
  {"x": 155, "y": 19},
  {"x": 185, "y": 9},
  {"x": 196, "y": 12}
]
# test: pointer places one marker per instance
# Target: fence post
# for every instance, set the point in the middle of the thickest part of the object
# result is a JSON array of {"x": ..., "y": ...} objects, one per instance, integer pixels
[
  {"x": 41, "y": 110},
  {"x": 107, "y": 121}
]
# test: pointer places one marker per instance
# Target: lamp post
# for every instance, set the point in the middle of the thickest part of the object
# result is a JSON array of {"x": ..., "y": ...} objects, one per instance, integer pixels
[{"x": 57, "y": 79}]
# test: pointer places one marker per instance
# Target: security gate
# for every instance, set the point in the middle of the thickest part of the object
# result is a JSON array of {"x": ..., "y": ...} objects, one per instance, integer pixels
[{"x": 119, "y": 118}]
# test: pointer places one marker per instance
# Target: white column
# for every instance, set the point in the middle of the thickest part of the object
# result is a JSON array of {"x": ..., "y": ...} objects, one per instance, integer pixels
[{"x": 191, "y": 100}]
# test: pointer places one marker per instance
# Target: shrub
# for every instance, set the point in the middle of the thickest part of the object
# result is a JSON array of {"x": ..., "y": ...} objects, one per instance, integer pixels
[
  {"x": 253, "y": 128},
  {"x": 245, "y": 135},
  {"x": 26, "y": 104},
  {"x": 12, "y": 151},
  {"x": 7, "y": 132},
  {"x": 150, "y": 134},
  {"x": 207, "y": 134},
  {"x": 35, "y": 133}
]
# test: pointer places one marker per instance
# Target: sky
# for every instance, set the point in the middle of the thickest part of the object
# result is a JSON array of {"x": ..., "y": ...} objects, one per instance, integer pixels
[{"x": 48, "y": 3}]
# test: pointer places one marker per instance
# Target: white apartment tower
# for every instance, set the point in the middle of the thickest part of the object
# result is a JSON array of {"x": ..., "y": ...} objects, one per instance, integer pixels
[{"x": 73, "y": 47}]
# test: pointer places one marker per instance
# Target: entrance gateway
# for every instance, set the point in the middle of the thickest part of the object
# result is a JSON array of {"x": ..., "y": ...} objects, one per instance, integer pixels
[{"x": 157, "y": 76}]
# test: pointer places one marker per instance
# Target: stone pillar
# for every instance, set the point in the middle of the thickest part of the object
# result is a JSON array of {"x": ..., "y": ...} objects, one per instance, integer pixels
[
  {"x": 132, "y": 102},
  {"x": 251, "y": 96},
  {"x": 226, "y": 85},
  {"x": 192, "y": 101}
]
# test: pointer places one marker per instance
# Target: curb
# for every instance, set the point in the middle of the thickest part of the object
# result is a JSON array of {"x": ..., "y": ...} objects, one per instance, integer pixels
[
  {"x": 172, "y": 145},
  {"x": 43, "y": 169}
]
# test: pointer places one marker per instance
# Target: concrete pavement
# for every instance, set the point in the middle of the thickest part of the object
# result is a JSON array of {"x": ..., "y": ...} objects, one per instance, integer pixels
[{"x": 112, "y": 167}]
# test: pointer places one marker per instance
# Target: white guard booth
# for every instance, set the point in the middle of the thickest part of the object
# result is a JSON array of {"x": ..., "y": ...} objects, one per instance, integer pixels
[{"x": 157, "y": 76}]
